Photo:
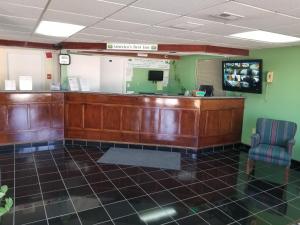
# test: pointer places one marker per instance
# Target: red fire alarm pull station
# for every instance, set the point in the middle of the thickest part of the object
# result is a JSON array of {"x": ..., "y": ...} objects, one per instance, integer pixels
[
  {"x": 49, "y": 76},
  {"x": 49, "y": 55}
]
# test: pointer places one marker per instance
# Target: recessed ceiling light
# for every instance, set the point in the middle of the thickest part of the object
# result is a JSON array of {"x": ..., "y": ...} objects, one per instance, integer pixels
[
  {"x": 265, "y": 36},
  {"x": 57, "y": 29}
]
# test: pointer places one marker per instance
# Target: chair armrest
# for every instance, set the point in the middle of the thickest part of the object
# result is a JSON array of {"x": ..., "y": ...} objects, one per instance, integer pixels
[
  {"x": 290, "y": 145},
  {"x": 255, "y": 139}
]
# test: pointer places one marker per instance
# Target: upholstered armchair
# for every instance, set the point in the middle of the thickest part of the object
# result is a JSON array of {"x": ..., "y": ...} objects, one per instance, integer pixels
[{"x": 272, "y": 143}]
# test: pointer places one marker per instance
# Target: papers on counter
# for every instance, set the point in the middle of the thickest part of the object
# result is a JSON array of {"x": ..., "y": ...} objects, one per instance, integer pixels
[
  {"x": 10, "y": 85},
  {"x": 25, "y": 83}
]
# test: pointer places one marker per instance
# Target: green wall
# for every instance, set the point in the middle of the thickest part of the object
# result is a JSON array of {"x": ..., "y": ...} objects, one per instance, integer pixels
[
  {"x": 280, "y": 100},
  {"x": 140, "y": 82}
]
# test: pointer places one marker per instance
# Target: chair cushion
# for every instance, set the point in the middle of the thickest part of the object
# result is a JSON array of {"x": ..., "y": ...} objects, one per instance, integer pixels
[
  {"x": 275, "y": 132},
  {"x": 270, "y": 153}
]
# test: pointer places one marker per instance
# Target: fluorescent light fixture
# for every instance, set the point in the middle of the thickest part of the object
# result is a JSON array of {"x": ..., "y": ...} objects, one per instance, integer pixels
[
  {"x": 57, "y": 29},
  {"x": 157, "y": 214},
  {"x": 265, "y": 36}
]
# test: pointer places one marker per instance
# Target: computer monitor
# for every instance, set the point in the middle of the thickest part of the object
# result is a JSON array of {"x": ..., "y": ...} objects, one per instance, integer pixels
[{"x": 209, "y": 90}]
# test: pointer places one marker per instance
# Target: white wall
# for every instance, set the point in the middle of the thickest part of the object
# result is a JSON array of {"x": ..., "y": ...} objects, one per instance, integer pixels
[
  {"x": 86, "y": 67},
  {"x": 15, "y": 62}
]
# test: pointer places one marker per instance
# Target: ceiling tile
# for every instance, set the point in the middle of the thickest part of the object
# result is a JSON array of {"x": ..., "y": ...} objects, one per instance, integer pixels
[
  {"x": 99, "y": 31},
  {"x": 73, "y": 18},
  {"x": 120, "y": 25},
  {"x": 17, "y": 21},
  {"x": 126, "y": 2},
  {"x": 19, "y": 11},
  {"x": 221, "y": 29},
  {"x": 291, "y": 29},
  {"x": 252, "y": 17},
  {"x": 35, "y": 3},
  {"x": 144, "y": 16},
  {"x": 229, "y": 7},
  {"x": 88, "y": 7},
  {"x": 14, "y": 37},
  {"x": 177, "y": 6},
  {"x": 204, "y": 26},
  {"x": 45, "y": 39},
  {"x": 92, "y": 37},
  {"x": 7, "y": 27},
  {"x": 279, "y": 6}
]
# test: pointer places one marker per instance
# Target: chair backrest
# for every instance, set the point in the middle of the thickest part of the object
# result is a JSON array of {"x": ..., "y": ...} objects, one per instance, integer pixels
[{"x": 275, "y": 132}]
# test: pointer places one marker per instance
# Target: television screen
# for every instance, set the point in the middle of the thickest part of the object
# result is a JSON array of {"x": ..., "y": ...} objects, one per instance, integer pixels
[
  {"x": 155, "y": 75},
  {"x": 242, "y": 75}
]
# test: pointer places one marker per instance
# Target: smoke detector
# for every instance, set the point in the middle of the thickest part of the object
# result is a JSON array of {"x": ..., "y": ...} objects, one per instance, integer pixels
[{"x": 227, "y": 16}]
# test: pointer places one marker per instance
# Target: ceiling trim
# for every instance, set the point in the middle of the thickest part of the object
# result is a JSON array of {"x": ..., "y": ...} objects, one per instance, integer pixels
[
  {"x": 203, "y": 48},
  {"x": 211, "y": 49},
  {"x": 166, "y": 48},
  {"x": 27, "y": 44},
  {"x": 135, "y": 55}
]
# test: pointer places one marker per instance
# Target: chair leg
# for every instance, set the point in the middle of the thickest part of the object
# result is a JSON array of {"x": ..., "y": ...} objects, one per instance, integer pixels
[
  {"x": 250, "y": 164},
  {"x": 286, "y": 175}
]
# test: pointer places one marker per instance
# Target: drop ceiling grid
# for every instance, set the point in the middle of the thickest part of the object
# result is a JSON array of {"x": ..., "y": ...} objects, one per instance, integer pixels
[{"x": 151, "y": 20}]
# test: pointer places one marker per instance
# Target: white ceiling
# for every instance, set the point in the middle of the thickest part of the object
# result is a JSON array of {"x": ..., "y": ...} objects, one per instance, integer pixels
[{"x": 152, "y": 21}]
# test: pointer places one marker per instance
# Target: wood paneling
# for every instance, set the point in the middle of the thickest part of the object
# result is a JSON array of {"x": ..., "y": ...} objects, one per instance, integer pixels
[
  {"x": 111, "y": 115},
  {"x": 188, "y": 122},
  {"x": 150, "y": 120},
  {"x": 3, "y": 117},
  {"x": 18, "y": 117},
  {"x": 31, "y": 117},
  {"x": 131, "y": 119},
  {"x": 220, "y": 121},
  {"x": 169, "y": 121},
  {"x": 92, "y": 116},
  {"x": 39, "y": 116}
]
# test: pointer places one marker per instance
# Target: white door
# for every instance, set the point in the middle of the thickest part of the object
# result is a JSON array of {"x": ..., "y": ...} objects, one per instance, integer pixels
[
  {"x": 27, "y": 63},
  {"x": 112, "y": 75}
]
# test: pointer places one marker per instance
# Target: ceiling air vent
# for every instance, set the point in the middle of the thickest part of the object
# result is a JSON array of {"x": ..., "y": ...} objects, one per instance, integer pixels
[{"x": 226, "y": 16}]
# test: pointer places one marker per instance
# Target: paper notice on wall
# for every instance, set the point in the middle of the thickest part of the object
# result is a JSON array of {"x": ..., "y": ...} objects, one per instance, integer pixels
[
  {"x": 159, "y": 86},
  {"x": 25, "y": 83},
  {"x": 73, "y": 83},
  {"x": 129, "y": 73},
  {"x": 84, "y": 84},
  {"x": 10, "y": 85},
  {"x": 149, "y": 63},
  {"x": 166, "y": 78}
]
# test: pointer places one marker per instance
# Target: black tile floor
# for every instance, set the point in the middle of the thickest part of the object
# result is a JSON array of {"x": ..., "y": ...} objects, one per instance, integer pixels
[{"x": 67, "y": 187}]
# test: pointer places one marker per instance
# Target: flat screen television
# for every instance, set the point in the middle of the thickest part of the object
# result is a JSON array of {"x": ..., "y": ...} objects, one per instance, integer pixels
[
  {"x": 155, "y": 75},
  {"x": 242, "y": 75}
]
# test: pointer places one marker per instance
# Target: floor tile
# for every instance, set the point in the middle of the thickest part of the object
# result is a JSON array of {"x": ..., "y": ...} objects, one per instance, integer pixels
[
  {"x": 129, "y": 220},
  {"x": 163, "y": 197},
  {"x": 93, "y": 216},
  {"x": 110, "y": 197},
  {"x": 119, "y": 209},
  {"x": 142, "y": 203},
  {"x": 71, "y": 219},
  {"x": 59, "y": 208},
  {"x": 30, "y": 215},
  {"x": 195, "y": 220}
]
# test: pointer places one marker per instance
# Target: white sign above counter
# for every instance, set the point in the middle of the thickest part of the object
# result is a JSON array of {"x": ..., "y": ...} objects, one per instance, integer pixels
[{"x": 132, "y": 47}]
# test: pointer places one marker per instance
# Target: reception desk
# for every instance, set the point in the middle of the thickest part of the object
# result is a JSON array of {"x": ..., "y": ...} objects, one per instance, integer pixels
[{"x": 137, "y": 119}]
